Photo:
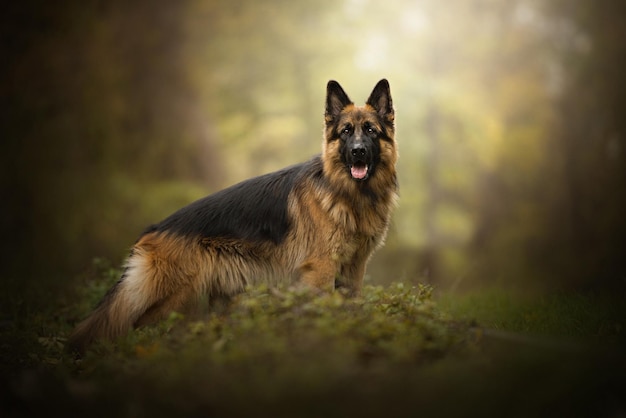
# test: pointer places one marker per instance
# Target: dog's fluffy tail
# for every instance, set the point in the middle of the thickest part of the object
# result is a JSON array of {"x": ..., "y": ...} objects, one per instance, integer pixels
[
  {"x": 120, "y": 309},
  {"x": 112, "y": 318},
  {"x": 149, "y": 289}
]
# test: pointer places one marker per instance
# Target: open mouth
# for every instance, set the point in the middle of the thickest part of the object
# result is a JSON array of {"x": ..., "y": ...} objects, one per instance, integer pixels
[{"x": 359, "y": 170}]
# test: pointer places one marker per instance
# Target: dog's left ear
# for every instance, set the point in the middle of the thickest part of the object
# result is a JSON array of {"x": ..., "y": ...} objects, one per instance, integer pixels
[{"x": 380, "y": 100}]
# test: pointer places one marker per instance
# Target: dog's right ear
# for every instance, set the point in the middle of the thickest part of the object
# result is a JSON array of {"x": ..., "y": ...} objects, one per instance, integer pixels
[{"x": 336, "y": 101}]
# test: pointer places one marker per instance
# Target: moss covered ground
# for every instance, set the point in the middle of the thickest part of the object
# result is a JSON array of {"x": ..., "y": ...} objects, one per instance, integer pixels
[{"x": 397, "y": 350}]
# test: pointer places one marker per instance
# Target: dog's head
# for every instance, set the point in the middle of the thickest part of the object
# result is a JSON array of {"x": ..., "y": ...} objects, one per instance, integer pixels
[{"x": 359, "y": 139}]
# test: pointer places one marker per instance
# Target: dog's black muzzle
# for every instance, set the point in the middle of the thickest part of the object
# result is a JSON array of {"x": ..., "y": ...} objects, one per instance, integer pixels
[{"x": 359, "y": 160}]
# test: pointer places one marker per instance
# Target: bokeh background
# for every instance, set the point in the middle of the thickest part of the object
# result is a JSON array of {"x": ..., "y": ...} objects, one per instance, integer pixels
[{"x": 510, "y": 122}]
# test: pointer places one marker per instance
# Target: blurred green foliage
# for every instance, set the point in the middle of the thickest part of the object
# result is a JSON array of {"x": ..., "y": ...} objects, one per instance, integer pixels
[
  {"x": 293, "y": 352},
  {"x": 512, "y": 172}
]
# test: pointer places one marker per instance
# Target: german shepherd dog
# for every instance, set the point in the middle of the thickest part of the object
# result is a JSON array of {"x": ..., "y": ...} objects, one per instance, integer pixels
[{"x": 316, "y": 223}]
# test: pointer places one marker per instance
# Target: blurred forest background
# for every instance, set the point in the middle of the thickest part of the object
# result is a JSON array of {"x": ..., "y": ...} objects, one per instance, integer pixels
[{"x": 510, "y": 122}]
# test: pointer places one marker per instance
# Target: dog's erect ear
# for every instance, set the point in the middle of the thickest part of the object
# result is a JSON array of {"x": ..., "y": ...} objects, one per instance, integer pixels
[
  {"x": 380, "y": 100},
  {"x": 336, "y": 100}
]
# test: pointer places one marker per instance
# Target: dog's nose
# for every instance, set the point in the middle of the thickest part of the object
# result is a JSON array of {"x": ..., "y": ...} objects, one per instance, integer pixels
[{"x": 358, "y": 150}]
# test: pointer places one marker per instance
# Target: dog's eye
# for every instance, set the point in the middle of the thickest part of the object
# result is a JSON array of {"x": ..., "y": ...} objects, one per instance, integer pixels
[
  {"x": 347, "y": 130},
  {"x": 369, "y": 128}
]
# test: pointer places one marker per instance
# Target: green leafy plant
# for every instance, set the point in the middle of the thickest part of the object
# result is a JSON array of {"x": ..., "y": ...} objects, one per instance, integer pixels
[{"x": 293, "y": 351}]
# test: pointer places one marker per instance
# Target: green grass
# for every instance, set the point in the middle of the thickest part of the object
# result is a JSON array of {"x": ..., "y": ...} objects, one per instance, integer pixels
[
  {"x": 569, "y": 315},
  {"x": 395, "y": 351}
]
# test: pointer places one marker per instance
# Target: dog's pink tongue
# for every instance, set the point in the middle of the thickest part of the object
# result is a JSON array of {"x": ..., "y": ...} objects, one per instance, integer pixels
[{"x": 358, "y": 172}]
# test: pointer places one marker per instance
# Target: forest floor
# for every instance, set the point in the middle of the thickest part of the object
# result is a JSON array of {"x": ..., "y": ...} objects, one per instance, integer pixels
[{"x": 395, "y": 351}]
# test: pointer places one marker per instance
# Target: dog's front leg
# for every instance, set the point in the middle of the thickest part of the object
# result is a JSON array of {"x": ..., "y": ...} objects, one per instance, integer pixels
[
  {"x": 352, "y": 271},
  {"x": 350, "y": 280},
  {"x": 319, "y": 273}
]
